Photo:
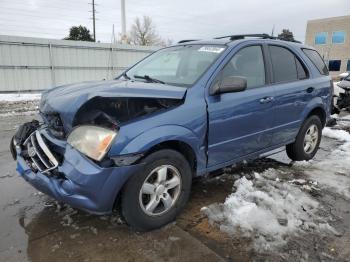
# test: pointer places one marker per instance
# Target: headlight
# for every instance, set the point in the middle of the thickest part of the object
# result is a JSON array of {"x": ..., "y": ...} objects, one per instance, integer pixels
[{"x": 92, "y": 141}]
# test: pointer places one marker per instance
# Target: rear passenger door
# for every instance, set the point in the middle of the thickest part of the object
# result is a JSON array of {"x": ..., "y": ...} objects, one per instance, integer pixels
[{"x": 293, "y": 91}]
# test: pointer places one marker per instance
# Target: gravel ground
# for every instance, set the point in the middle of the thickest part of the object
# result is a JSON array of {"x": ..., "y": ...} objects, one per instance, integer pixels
[{"x": 34, "y": 227}]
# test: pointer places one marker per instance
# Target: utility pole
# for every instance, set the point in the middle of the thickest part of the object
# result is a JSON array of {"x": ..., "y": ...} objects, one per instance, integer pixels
[
  {"x": 94, "y": 19},
  {"x": 123, "y": 20}
]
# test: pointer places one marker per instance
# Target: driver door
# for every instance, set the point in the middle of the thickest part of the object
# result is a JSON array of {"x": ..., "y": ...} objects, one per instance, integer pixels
[{"x": 240, "y": 122}]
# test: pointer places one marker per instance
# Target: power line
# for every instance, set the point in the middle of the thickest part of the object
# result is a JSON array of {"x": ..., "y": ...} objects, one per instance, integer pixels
[
  {"x": 45, "y": 16},
  {"x": 51, "y": 8}
]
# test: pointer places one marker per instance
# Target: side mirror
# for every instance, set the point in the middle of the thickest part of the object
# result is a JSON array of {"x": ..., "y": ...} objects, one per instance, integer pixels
[{"x": 228, "y": 85}]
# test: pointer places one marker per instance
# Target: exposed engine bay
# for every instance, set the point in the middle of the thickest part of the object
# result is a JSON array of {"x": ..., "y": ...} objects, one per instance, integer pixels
[{"x": 109, "y": 112}]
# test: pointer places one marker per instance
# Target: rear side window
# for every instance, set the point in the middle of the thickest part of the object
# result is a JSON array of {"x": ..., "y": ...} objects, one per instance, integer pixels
[
  {"x": 302, "y": 73},
  {"x": 283, "y": 64},
  {"x": 316, "y": 60}
]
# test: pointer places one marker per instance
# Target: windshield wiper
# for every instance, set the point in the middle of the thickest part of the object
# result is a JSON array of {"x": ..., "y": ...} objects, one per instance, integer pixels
[
  {"x": 150, "y": 79},
  {"x": 125, "y": 75}
]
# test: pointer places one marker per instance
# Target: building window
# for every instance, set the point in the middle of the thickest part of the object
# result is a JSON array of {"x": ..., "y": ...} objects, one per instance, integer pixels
[
  {"x": 334, "y": 65},
  {"x": 338, "y": 37},
  {"x": 321, "y": 38},
  {"x": 348, "y": 66}
]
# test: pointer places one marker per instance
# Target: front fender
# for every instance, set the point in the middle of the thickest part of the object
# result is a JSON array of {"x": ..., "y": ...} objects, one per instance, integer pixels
[{"x": 157, "y": 135}]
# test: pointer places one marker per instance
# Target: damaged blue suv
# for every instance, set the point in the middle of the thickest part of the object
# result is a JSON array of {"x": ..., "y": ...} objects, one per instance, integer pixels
[{"x": 137, "y": 141}]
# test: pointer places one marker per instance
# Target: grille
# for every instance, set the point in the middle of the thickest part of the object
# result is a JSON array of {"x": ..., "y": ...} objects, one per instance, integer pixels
[{"x": 40, "y": 155}]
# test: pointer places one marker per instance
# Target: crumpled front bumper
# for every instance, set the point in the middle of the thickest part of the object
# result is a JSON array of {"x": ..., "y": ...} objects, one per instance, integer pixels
[{"x": 85, "y": 185}]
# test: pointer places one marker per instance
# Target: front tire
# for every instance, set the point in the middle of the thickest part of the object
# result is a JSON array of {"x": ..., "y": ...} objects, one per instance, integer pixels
[
  {"x": 156, "y": 194},
  {"x": 307, "y": 141}
]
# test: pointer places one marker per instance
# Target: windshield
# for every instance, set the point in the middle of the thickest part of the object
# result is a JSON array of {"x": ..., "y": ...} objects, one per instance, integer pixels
[{"x": 179, "y": 65}]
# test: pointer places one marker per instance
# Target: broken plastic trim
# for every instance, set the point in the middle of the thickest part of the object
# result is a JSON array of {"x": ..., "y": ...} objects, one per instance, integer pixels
[{"x": 126, "y": 160}]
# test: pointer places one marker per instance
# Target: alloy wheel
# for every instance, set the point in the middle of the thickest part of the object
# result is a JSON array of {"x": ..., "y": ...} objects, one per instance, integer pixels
[
  {"x": 160, "y": 190},
  {"x": 311, "y": 139}
]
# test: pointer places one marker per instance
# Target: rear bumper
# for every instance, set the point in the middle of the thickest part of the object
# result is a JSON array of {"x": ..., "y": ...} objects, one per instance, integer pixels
[{"x": 85, "y": 185}]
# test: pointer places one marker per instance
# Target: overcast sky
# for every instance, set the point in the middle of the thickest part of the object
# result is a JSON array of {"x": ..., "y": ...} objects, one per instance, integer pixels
[{"x": 175, "y": 19}]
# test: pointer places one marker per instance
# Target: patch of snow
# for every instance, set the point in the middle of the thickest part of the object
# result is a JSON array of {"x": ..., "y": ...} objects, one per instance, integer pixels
[
  {"x": 258, "y": 209},
  {"x": 340, "y": 135},
  {"x": 334, "y": 171},
  {"x": 94, "y": 230},
  {"x": 171, "y": 238},
  {"x": 74, "y": 236},
  {"x": 16, "y": 97},
  {"x": 67, "y": 220},
  {"x": 27, "y": 113},
  {"x": 298, "y": 182}
]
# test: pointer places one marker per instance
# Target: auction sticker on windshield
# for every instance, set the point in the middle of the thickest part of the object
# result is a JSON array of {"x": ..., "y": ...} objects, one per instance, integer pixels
[{"x": 211, "y": 49}]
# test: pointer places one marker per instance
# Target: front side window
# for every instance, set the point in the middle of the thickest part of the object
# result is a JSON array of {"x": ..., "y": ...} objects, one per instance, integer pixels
[
  {"x": 249, "y": 64},
  {"x": 338, "y": 37},
  {"x": 334, "y": 65},
  {"x": 321, "y": 38},
  {"x": 178, "y": 65}
]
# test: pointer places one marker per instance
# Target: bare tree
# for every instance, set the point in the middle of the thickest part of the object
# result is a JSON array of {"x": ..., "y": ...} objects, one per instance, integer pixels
[{"x": 143, "y": 32}]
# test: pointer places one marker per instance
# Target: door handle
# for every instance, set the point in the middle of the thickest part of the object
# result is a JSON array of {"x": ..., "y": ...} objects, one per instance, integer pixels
[
  {"x": 266, "y": 100},
  {"x": 310, "y": 90}
]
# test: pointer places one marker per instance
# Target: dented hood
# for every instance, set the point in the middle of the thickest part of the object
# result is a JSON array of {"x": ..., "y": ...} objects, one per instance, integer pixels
[{"x": 67, "y": 99}]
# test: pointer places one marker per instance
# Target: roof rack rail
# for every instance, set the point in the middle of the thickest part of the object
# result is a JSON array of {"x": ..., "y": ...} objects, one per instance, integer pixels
[
  {"x": 187, "y": 40},
  {"x": 237, "y": 37},
  {"x": 243, "y": 36}
]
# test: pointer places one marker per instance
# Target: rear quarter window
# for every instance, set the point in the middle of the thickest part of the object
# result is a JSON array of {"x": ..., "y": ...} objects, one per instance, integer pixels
[{"x": 317, "y": 60}]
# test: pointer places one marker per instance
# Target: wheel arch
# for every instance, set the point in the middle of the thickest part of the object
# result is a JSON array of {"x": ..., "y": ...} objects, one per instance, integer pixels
[
  {"x": 182, "y": 147},
  {"x": 320, "y": 112},
  {"x": 315, "y": 107}
]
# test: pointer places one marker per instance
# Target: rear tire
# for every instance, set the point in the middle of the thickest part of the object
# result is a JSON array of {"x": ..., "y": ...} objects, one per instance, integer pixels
[
  {"x": 307, "y": 141},
  {"x": 155, "y": 195}
]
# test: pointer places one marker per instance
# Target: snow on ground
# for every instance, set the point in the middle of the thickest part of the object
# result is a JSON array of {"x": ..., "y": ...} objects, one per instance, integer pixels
[
  {"x": 266, "y": 209},
  {"x": 334, "y": 171},
  {"x": 19, "y": 104},
  {"x": 16, "y": 97},
  {"x": 340, "y": 135},
  {"x": 271, "y": 209}
]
